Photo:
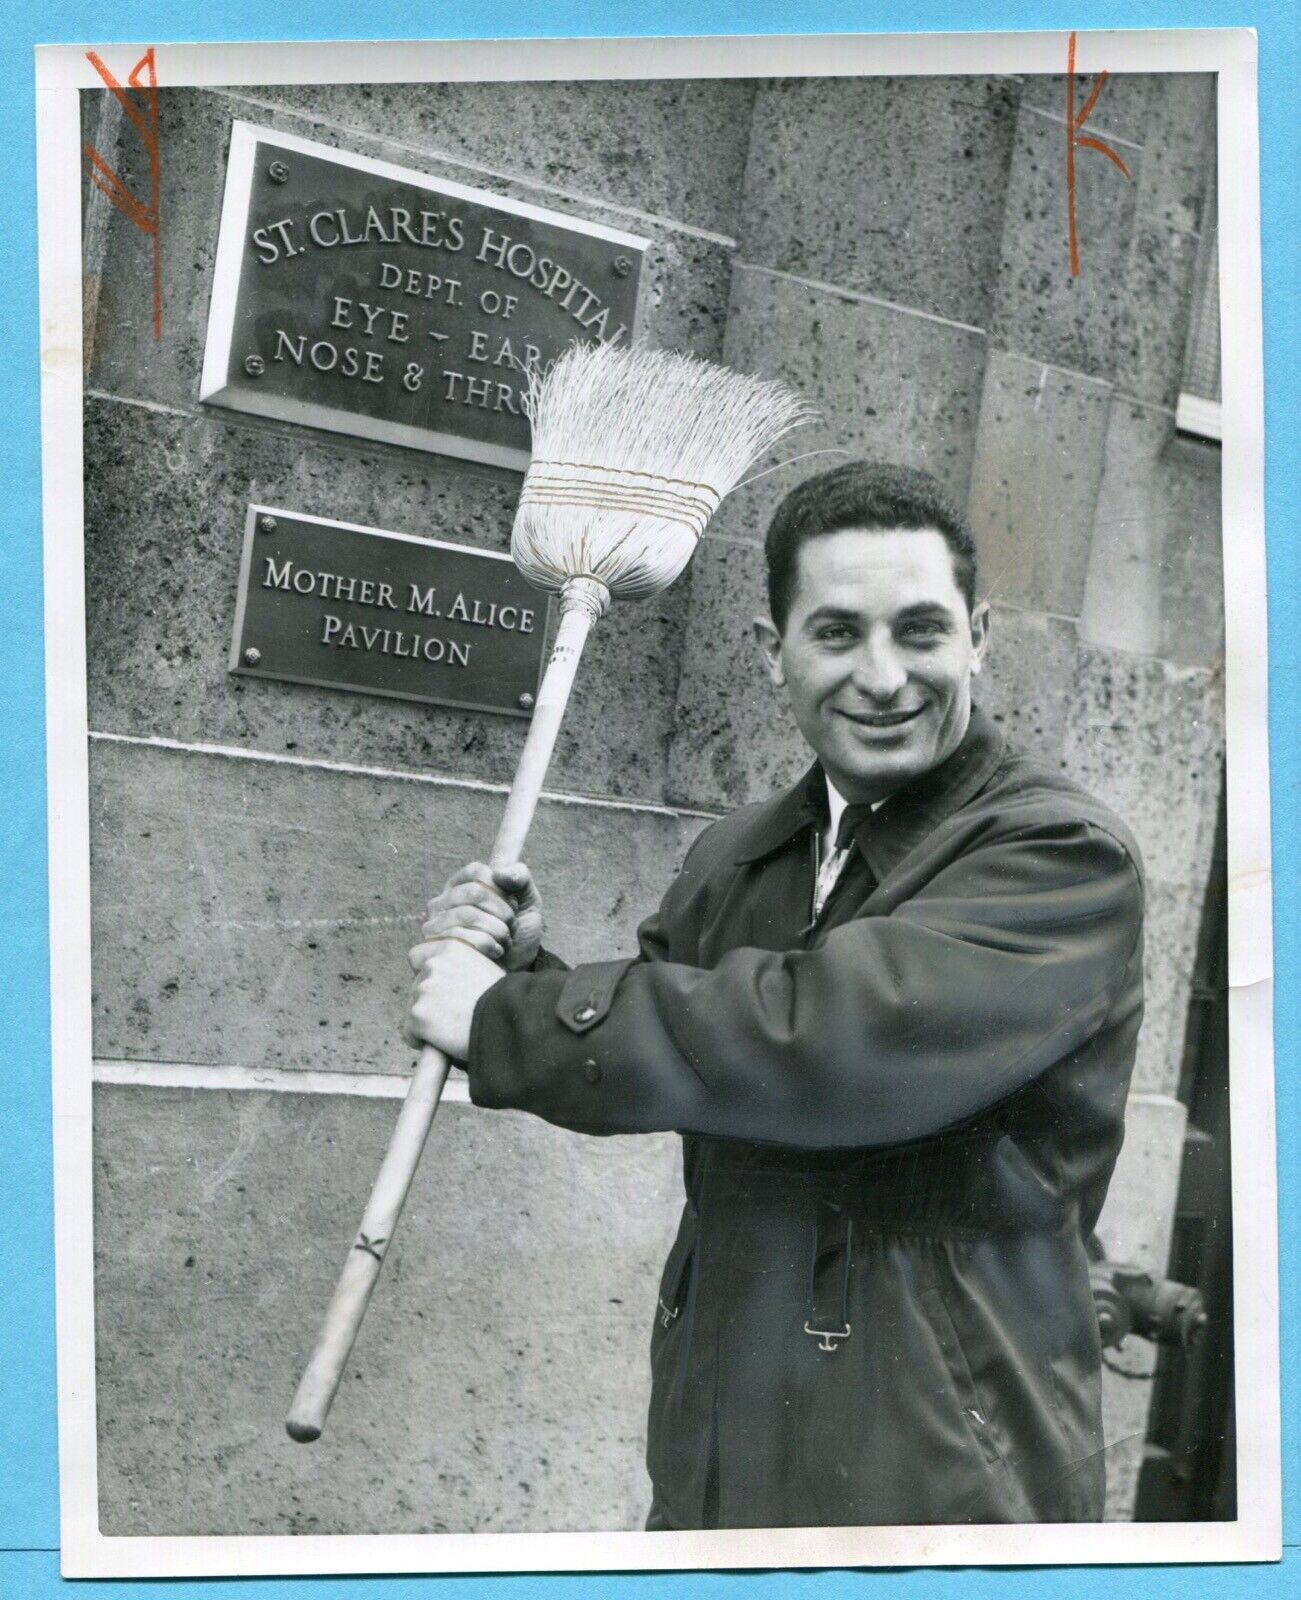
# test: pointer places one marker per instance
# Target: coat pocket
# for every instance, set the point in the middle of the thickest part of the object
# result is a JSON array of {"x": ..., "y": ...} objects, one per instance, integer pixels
[
  {"x": 670, "y": 1349},
  {"x": 973, "y": 1409},
  {"x": 675, "y": 1281}
]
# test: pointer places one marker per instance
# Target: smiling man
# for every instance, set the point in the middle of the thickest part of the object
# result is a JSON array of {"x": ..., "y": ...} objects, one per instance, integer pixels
[{"x": 892, "y": 1012}]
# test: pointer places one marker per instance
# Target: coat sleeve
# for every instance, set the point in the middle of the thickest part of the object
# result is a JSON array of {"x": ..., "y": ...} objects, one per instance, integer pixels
[{"x": 892, "y": 1029}]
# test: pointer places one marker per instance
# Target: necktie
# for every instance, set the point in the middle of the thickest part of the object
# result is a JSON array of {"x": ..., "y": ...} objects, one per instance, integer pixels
[
  {"x": 850, "y": 818},
  {"x": 833, "y": 864}
]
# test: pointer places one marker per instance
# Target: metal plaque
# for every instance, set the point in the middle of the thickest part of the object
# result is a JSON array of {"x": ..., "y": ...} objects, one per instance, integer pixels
[
  {"x": 367, "y": 298},
  {"x": 347, "y": 607}
]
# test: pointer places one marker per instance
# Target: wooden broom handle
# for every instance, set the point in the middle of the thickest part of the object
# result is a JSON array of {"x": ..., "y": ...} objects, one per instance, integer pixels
[{"x": 583, "y": 601}]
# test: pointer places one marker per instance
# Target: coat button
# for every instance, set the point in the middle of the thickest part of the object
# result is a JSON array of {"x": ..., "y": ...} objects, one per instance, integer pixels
[
  {"x": 591, "y": 1072},
  {"x": 585, "y": 1012}
]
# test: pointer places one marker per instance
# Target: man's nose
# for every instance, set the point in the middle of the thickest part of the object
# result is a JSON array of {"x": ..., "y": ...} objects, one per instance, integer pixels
[{"x": 878, "y": 671}]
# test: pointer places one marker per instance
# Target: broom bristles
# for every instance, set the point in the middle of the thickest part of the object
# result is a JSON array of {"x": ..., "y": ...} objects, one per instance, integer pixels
[{"x": 632, "y": 451}]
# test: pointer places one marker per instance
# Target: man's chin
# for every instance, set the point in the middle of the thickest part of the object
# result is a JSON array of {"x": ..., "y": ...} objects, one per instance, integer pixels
[{"x": 878, "y": 772}]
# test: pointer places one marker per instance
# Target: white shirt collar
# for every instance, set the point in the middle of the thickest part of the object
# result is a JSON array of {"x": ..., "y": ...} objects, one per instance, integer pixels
[{"x": 836, "y": 804}]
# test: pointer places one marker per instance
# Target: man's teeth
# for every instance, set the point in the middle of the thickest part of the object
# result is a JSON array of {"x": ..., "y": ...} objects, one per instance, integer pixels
[{"x": 881, "y": 719}]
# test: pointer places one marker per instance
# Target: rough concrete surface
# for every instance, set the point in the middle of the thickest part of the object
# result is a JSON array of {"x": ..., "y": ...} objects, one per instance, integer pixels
[
  {"x": 1025, "y": 681},
  {"x": 1124, "y": 107},
  {"x": 684, "y": 281},
  {"x": 1172, "y": 921},
  {"x": 1125, "y": 583},
  {"x": 1152, "y": 329},
  {"x": 1147, "y": 738},
  {"x": 166, "y": 499},
  {"x": 1192, "y": 554},
  {"x": 675, "y": 147},
  {"x": 259, "y": 915},
  {"x": 499, "y": 1382},
  {"x": 890, "y": 186},
  {"x": 1034, "y": 481},
  {"x": 887, "y": 385},
  {"x": 1178, "y": 142},
  {"x": 1135, "y": 1229},
  {"x": 734, "y": 739},
  {"x": 1040, "y": 310},
  {"x": 1155, "y": 582}
]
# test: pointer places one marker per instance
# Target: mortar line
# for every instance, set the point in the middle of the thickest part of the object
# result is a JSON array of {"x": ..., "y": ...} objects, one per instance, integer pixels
[
  {"x": 125, "y": 1074},
  {"x": 1094, "y": 127},
  {"x": 144, "y": 405},
  {"x": 1031, "y": 611},
  {"x": 267, "y": 1080},
  {"x": 1053, "y": 366},
  {"x": 865, "y": 299},
  {"x": 651, "y": 218},
  {"x": 1117, "y": 393},
  {"x": 356, "y": 769}
]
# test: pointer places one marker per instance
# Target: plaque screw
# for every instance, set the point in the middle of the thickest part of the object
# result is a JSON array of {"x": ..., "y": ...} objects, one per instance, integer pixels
[
  {"x": 266, "y": 524},
  {"x": 622, "y": 266},
  {"x": 252, "y": 656},
  {"x": 278, "y": 172},
  {"x": 526, "y": 701},
  {"x": 254, "y": 366}
]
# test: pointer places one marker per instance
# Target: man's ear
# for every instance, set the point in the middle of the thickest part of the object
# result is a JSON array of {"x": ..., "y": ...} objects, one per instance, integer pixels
[
  {"x": 769, "y": 640},
  {"x": 980, "y": 625}
]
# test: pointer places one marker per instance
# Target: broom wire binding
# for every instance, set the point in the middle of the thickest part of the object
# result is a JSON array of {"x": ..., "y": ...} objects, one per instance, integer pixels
[{"x": 633, "y": 449}]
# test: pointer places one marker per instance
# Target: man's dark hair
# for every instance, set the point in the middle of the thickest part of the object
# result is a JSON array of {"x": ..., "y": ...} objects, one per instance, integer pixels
[{"x": 873, "y": 495}]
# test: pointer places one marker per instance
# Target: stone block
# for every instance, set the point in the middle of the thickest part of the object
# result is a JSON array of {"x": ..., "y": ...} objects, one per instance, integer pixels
[
  {"x": 1152, "y": 328},
  {"x": 887, "y": 385},
  {"x": 1137, "y": 1220},
  {"x": 735, "y": 740},
  {"x": 1124, "y": 109},
  {"x": 1178, "y": 150},
  {"x": 1126, "y": 1401},
  {"x": 675, "y": 147},
  {"x": 1147, "y": 737},
  {"x": 1034, "y": 481},
  {"x": 500, "y": 1380},
  {"x": 252, "y": 913},
  {"x": 165, "y": 505},
  {"x": 1026, "y": 677},
  {"x": 1155, "y": 582},
  {"x": 1135, "y": 1229},
  {"x": 1192, "y": 553},
  {"x": 1172, "y": 922},
  {"x": 890, "y": 186},
  {"x": 1040, "y": 310},
  {"x": 1122, "y": 592},
  {"x": 682, "y": 296}
]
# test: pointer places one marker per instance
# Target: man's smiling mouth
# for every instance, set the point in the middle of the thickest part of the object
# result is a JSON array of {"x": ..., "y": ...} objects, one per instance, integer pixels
[{"x": 880, "y": 719}]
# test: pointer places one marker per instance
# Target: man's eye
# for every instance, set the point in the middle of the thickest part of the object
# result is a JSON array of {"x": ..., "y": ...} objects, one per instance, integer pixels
[
  {"x": 924, "y": 628},
  {"x": 835, "y": 631}
]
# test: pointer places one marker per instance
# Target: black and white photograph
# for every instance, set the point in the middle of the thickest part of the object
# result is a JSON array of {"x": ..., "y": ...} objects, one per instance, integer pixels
[{"x": 660, "y": 907}]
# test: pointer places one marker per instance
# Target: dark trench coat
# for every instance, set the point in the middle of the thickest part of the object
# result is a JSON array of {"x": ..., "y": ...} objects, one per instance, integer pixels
[{"x": 898, "y": 1124}]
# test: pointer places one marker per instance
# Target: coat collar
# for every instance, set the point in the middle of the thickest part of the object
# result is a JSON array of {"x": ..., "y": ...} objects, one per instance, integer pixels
[{"x": 905, "y": 819}]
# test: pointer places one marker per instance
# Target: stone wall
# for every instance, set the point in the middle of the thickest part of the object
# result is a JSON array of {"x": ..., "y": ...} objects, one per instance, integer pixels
[{"x": 261, "y": 851}]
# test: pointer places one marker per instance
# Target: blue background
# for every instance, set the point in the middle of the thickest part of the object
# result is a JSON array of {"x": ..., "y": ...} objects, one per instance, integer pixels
[{"x": 29, "y": 1520}]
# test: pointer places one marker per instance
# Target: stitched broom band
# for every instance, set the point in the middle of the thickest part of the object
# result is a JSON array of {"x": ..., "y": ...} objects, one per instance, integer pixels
[
  {"x": 633, "y": 450},
  {"x": 640, "y": 494}
]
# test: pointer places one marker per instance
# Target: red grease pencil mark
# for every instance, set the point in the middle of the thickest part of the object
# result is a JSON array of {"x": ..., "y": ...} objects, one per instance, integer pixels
[
  {"x": 142, "y": 215},
  {"x": 1074, "y": 139}
]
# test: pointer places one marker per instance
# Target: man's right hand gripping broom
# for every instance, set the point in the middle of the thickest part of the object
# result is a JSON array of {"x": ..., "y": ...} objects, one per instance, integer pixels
[{"x": 497, "y": 913}]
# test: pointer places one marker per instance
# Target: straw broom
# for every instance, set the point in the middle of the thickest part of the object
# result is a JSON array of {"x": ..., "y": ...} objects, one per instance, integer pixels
[{"x": 632, "y": 451}]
